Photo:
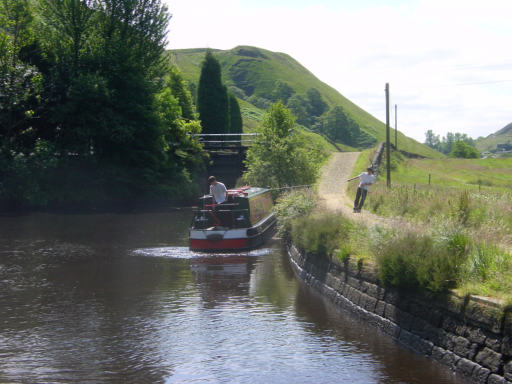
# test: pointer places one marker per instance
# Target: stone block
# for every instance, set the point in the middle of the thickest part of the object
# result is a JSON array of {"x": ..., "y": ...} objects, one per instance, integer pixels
[
  {"x": 484, "y": 315},
  {"x": 450, "y": 359},
  {"x": 490, "y": 359},
  {"x": 461, "y": 329},
  {"x": 449, "y": 324},
  {"x": 405, "y": 338},
  {"x": 369, "y": 273},
  {"x": 453, "y": 304},
  {"x": 420, "y": 327},
  {"x": 475, "y": 335},
  {"x": 437, "y": 336},
  {"x": 390, "y": 328},
  {"x": 390, "y": 312},
  {"x": 507, "y": 369},
  {"x": 370, "y": 289},
  {"x": 420, "y": 310},
  {"x": 421, "y": 346},
  {"x": 506, "y": 347},
  {"x": 368, "y": 302},
  {"x": 403, "y": 319},
  {"x": 392, "y": 296},
  {"x": 354, "y": 282},
  {"x": 496, "y": 379},
  {"x": 466, "y": 367},
  {"x": 438, "y": 353},
  {"x": 380, "y": 308},
  {"x": 462, "y": 346},
  {"x": 480, "y": 375},
  {"x": 493, "y": 342},
  {"x": 435, "y": 317}
]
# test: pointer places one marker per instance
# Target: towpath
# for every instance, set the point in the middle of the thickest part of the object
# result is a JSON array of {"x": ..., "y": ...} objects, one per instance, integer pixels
[{"x": 332, "y": 190}]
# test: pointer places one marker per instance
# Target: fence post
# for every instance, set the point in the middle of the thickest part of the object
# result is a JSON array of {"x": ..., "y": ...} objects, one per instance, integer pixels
[{"x": 388, "y": 149}]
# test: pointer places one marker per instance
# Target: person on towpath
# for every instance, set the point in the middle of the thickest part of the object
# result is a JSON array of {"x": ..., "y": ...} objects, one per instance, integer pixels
[
  {"x": 365, "y": 180},
  {"x": 217, "y": 190}
]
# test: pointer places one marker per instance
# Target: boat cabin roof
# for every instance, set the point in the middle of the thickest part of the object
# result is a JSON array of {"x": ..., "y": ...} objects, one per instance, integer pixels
[{"x": 244, "y": 192}]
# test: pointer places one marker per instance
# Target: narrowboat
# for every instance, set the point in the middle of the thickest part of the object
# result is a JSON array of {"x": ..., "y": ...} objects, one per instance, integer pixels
[{"x": 245, "y": 221}]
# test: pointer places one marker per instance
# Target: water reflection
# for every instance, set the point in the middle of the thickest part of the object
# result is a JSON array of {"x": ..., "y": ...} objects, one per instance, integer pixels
[{"x": 81, "y": 306}]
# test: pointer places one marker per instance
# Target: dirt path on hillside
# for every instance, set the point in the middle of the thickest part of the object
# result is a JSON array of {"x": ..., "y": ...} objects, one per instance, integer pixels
[{"x": 332, "y": 190}]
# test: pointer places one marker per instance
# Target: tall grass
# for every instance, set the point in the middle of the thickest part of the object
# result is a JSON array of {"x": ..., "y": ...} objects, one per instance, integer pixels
[
  {"x": 322, "y": 234},
  {"x": 487, "y": 214},
  {"x": 420, "y": 262},
  {"x": 292, "y": 205}
]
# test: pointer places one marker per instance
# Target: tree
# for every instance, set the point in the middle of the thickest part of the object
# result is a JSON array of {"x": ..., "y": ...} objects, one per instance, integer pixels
[
  {"x": 338, "y": 126},
  {"x": 180, "y": 90},
  {"x": 432, "y": 140},
  {"x": 279, "y": 157},
  {"x": 316, "y": 105},
  {"x": 282, "y": 91},
  {"x": 463, "y": 150},
  {"x": 212, "y": 98},
  {"x": 235, "y": 116},
  {"x": 299, "y": 107},
  {"x": 20, "y": 82}
]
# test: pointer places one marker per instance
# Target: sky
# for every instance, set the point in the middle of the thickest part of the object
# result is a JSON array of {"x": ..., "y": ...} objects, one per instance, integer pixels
[{"x": 448, "y": 62}]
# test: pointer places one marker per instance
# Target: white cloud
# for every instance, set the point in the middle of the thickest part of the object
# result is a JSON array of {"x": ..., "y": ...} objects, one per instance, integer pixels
[{"x": 446, "y": 60}]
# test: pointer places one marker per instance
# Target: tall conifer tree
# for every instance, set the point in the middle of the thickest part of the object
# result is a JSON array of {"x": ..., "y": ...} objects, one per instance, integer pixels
[
  {"x": 235, "y": 117},
  {"x": 212, "y": 97}
]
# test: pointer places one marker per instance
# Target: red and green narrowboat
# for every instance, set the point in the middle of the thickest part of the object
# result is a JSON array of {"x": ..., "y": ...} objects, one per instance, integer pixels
[{"x": 245, "y": 221}]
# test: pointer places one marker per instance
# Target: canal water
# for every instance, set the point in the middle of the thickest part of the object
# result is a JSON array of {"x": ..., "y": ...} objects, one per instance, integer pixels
[{"x": 120, "y": 299}]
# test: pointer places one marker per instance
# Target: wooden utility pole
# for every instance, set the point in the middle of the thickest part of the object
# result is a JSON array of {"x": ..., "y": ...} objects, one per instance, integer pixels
[
  {"x": 396, "y": 130},
  {"x": 388, "y": 149}
]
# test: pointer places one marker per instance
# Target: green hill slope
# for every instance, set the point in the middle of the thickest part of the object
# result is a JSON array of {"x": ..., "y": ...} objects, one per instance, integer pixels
[
  {"x": 490, "y": 143},
  {"x": 252, "y": 73}
]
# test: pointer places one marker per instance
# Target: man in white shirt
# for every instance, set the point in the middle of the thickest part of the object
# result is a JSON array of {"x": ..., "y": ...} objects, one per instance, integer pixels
[
  {"x": 217, "y": 190},
  {"x": 365, "y": 180}
]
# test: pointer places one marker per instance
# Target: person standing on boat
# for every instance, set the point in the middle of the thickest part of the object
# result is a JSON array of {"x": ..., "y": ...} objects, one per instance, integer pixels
[
  {"x": 217, "y": 190},
  {"x": 365, "y": 180}
]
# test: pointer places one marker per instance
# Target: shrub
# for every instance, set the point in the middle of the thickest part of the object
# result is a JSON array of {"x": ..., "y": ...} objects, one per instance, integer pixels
[
  {"x": 321, "y": 234},
  {"x": 417, "y": 262},
  {"x": 292, "y": 205}
]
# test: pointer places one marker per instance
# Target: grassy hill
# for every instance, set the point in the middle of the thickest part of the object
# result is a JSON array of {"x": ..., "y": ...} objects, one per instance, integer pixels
[
  {"x": 251, "y": 74},
  {"x": 489, "y": 143}
]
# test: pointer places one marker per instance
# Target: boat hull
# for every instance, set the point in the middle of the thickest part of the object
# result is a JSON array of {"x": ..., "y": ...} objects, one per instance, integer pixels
[{"x": 219, "y": 239}]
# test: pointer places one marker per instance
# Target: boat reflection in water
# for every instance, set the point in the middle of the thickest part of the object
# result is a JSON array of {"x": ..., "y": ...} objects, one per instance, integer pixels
[{"x": 221, "y": 265}]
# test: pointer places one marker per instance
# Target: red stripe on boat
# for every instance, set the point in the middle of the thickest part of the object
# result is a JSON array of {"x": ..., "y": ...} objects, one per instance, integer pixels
[{"x": 222, "y": 244}]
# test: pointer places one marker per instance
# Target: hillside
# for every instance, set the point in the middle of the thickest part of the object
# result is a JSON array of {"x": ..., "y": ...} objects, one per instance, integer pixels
[
  {"x": 253, "y": 75},
  {"x": 491, "y": 142}
]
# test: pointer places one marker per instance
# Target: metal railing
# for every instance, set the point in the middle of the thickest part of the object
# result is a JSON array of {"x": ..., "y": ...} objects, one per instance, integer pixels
[{"x": 222, "y": 138}]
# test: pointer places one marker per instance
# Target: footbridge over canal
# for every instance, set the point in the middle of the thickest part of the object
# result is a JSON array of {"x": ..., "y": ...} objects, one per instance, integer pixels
[{"x": 227, "y": 154}]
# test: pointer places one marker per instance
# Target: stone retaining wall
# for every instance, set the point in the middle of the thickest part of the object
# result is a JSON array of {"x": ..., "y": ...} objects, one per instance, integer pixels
[{"x": 470, "y": 335}]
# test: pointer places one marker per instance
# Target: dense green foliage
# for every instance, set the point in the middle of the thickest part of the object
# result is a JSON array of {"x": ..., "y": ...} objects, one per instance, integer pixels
[
  {"x": 341, "y": 128},
  {"x": 321, "y": 234},
  {"x": 416, "y": 262},
  {"x": 450, "y": 144},
  {"x": 258, "y": 77},
  {"x": 212, "y": 97},
  {"x": 280, "y": 156},
  {"x": 219, "y": 110},
  {"x": 235, "y": 116},
  {"x": 292, "y": 205},
  {"x": 463, "y": 150},
  {"x": 86, "y": 111}
]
